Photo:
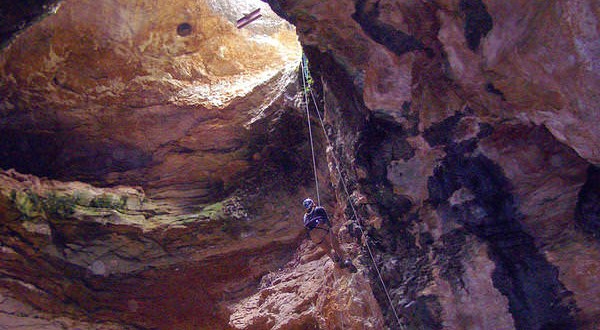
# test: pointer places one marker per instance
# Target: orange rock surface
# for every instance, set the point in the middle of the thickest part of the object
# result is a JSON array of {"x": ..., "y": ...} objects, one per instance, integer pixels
[{"x": 154, "y": 158}]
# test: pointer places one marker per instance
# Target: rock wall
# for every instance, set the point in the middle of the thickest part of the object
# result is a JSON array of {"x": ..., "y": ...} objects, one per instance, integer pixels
[
  {"x": 160, "y": 155},
  {"x": 467, "y": 131},
  {"x": 114, "y": 92},
  {"x": 138, "y": 188}
]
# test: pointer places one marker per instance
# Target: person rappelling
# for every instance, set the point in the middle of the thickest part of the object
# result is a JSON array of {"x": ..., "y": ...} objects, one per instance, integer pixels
[
  {"x": 319, "y": 229},
  {"x": 316, "y": 221}
]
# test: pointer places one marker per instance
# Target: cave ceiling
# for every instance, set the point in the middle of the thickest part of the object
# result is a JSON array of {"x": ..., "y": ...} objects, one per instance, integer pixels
[{"x": 150, "y": 93}]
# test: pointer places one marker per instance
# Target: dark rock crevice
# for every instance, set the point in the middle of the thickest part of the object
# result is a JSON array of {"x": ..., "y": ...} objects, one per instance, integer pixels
[
  {"x": 449, "y": 257},
  {"x": 34, "y": 153},
  {"x": 478, "y": 22},
  {"x": 403, "y": 261},
  {"x": 537, "y": 299},
  {"x": 441, "y": 133},
  {"x": 281, "y": 153},
  {"x": 587, "y": 211},
  {"x": 345, "y": 115},
  {"x": 490, "y": 88},
  {"x": 382, "y": 142},
  {"x": 405, "y": 272},
  {"x": 66, "y": 156},
  {"x": 18, "y": 15},
  {"x": 397, "y": 41}
]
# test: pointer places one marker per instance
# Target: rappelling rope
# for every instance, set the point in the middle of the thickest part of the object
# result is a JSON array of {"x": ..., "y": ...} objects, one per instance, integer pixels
[
  {"x": 337, "y": 167},
  {"x": 312, "y": 147},
  {"x": 305, "y": 87}
]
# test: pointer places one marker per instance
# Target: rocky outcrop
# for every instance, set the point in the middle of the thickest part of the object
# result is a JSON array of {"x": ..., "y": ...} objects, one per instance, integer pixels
[
  {"x": 115, "y": 255},
  {"x": 143, "y": 187},
  {"x": 461, "y": 166},
  {"x": 536, "y": 63},
  {"x": 467, "y": 131},
  {"x": 111, "y": 92},
  {"x": 310, "y": 292}
]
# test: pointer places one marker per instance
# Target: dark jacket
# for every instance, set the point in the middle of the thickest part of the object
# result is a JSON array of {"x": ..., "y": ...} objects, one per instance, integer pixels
[{"x": 315, "y": 217}]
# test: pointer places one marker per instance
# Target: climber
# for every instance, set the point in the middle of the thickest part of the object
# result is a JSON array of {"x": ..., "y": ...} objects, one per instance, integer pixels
[
  {"x": 248, "y": 18},
  {"x": 317, "y": 223}
]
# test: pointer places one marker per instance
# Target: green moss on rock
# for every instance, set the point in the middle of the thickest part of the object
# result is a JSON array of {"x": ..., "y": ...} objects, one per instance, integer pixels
[
  {"x": 60, "y": 206},
  {"x": 213, "y": 211},
  {"x": 28, "y": 204},
  {"x": 109, "y": 201}
]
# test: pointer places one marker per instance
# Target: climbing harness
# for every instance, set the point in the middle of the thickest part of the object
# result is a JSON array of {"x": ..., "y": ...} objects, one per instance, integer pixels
[
  {"x": 317, "y": 218},
  {"x": 320, "y": 229},
  {"x": 355, "y": 219}
]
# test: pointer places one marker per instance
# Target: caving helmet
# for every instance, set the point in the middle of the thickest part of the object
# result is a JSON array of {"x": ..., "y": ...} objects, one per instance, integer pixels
[{"x": 308, "y": 203}]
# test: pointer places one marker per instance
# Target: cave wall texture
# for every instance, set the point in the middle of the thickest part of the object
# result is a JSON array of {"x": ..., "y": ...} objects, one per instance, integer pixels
[
  {"x": 152, "y": 171},
  {"x": 461, "y": 121}
]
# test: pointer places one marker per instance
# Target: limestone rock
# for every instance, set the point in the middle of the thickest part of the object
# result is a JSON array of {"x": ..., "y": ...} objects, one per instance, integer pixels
[
  {"x": 468, "y": 128},
  {"x": 463, "y": 153},
  {"x": 310, "y": 292},
  {"x": 120, "y": 95},
  {"x": 113, "y": 255}
]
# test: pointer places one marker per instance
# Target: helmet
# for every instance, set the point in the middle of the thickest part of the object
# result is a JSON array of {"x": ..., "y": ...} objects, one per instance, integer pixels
[{"x": 308, "y": 203}]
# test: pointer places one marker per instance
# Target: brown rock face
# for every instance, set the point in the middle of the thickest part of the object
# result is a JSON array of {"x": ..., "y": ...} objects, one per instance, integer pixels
[
  {"x": 162, "y": 108},
  {"x": 160, "y": 155},
  {"x": 337, "y": 298},
  {"x": 112, "y": 92},
  {"x": 469, "y": 131}
]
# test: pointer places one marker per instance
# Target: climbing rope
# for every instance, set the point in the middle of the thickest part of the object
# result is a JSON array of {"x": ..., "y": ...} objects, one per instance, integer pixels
[
  {"x": 312, "y": 147},
  {"x": 356, "y": 218}
]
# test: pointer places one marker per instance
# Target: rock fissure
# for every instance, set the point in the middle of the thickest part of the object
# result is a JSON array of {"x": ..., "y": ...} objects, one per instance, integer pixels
[
  {"x": 493, "y": 217},
  {"x": 367, "y": 15},
  {"x": 587, "y": 211},
  {"x": 478, "y": 22}
]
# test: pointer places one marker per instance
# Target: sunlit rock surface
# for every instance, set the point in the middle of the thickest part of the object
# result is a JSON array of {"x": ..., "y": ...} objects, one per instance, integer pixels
[
  {"x": 148, "y": 93},
  {"x": 149, "y": 120},
  {"x": 310, "y": 292},
  {"x": 176, "y": 154}
]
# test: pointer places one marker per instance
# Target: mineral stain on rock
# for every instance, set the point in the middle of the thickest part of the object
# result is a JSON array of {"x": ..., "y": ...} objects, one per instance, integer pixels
[
  {"x": 367, "y": 15},
  {"x": 587, "y": 212},
  {"x": 478, "y": 21},
  {"x": 537, "y": 299}
]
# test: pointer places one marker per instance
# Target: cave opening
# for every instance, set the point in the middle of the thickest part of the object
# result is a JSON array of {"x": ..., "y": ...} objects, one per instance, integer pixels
[
  {"x": 135, "y": 85},
  {"x": 125, "y": 122}
]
